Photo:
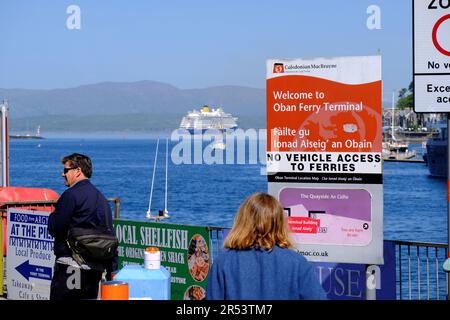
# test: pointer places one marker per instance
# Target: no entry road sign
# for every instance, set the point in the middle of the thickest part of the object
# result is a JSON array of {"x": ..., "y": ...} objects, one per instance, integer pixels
[{"x": 431, "y": 38}]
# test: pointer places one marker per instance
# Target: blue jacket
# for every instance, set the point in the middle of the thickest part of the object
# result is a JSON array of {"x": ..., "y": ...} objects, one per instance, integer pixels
[
  {"x": 81, "y": 205},
  {"x": 254, "y": 274}
]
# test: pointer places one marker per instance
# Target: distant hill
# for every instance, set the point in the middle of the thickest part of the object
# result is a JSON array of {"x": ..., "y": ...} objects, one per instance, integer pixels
[
  {"x": 119, "y": 123},
  {"x": 147, "y": 97},
  {"x": 135, "y": 106},
  {"x": 142, "y": 105}
]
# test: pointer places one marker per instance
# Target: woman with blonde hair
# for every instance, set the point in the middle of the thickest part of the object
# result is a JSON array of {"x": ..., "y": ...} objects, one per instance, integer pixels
[{"x": 258, "y": 262}]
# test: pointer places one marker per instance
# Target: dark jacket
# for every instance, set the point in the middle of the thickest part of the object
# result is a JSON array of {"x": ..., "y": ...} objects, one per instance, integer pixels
[{"x": 83, "y": 206}]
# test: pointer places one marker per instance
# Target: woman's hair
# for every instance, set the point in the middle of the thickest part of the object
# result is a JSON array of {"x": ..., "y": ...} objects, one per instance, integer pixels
[{"x": 260, "y": 222}]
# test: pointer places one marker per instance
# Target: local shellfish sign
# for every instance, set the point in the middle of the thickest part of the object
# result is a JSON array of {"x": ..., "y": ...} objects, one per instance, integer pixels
[
  {"x": 184, "y": 253},
  {"x": 431, "y": 38},
  {"x": 324, "y": 163}
]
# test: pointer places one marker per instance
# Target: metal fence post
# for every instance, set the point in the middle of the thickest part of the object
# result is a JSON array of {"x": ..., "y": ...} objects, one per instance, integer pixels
[{"x": 4, "y": 156}]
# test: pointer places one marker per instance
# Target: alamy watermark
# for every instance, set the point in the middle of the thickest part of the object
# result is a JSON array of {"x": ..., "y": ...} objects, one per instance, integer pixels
[
  {"x": 74, "y": 280},
  {"x": 373, "y": 22},
  {"x": 73, "y": 21},
  {"x": 220, "y": 147}
]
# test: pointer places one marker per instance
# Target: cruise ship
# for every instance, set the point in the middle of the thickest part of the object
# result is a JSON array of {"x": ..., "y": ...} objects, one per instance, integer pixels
[
  {"x": 436, "y": 156},
  {"x": 206, "y": 119}
]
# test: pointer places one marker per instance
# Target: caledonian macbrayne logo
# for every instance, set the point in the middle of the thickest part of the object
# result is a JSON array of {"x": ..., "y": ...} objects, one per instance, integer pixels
[{"x": 278, "y": 68}]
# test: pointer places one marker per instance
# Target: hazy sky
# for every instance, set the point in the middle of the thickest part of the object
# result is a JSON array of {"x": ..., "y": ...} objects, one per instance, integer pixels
[{"x": 193, "y": 44}]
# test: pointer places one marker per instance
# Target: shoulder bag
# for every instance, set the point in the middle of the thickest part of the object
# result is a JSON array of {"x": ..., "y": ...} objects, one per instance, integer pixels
[{"x": 89, "y": 244}]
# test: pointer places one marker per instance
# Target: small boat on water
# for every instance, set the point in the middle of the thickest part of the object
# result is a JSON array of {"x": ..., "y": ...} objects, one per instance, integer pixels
[
  {"x": 219, "y": 145},
  {"x": 415, "y": 135},
  {"x": 394, "y": 150},
  {"x": 436, "y": 156},
  {"x": 162, "y": 214}
]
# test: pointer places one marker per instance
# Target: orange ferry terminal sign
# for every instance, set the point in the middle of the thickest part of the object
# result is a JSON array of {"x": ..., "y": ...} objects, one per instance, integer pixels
[{"x": 324, "y": 155}]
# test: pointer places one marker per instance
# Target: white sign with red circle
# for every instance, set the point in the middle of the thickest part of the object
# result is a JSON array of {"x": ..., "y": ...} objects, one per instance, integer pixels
[
  {"x": 431, "y": 38},
  {"x": 438, "y": 26}
]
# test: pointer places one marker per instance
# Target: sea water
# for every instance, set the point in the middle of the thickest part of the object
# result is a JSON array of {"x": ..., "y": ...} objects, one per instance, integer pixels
[{"x": 415, "y": 204}]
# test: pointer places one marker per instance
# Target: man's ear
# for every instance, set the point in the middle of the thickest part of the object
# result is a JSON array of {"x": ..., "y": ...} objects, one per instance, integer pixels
[{"x": 79, "y": 173}]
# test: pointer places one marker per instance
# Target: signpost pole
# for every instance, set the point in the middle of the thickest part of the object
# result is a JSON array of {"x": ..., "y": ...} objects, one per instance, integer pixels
[
  {"x": 4, "y": 144},
  {"x": 448, "y": 203},
  {"x": 431, "y": 76}
]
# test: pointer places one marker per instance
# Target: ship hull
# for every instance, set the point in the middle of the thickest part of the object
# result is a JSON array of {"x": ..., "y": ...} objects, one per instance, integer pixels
[
  {"x": 437, "y": 158},
  {"x": 211, "y": 131},
  {"x": 26, "y": 137}
]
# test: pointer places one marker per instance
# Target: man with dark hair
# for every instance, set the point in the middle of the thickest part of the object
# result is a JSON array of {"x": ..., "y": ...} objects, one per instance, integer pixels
[
  {"x": 79, "y": 161},
  {"x": 81, "y": 206}
]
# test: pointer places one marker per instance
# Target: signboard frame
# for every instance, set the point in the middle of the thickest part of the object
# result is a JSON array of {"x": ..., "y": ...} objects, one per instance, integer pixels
[
  {"x": 29, "y": 265},
  {"x": 293, "y": 86},
  {"x": 188, "y": 278}
]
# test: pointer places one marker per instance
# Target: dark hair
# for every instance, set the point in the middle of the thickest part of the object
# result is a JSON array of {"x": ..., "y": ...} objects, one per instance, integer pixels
[{"x": 81, "y": 161}]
